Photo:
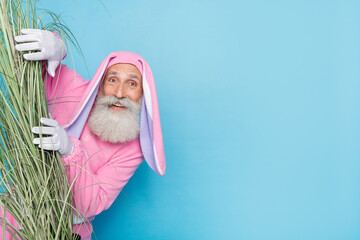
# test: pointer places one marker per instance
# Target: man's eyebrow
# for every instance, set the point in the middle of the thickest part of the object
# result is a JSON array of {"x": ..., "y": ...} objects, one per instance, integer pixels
[
  {"x": 133, "y": 76},
  {"x": 112, "y": 73}
]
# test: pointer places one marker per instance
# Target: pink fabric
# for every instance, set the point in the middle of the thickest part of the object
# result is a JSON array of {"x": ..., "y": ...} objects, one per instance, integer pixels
[
  {"x": 10, "y": 220},
  {"x": 99, "y": 171}
]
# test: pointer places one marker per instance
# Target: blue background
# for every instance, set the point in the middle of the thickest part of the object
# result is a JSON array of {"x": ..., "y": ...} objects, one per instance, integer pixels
[{"x": 260, "y": 110}]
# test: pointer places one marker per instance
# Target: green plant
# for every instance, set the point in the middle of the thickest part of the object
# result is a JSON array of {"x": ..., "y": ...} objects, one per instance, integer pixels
[{"x": 35, "y": 190}]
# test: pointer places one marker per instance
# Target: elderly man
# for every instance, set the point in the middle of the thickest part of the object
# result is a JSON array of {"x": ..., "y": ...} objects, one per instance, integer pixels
[{"x": 95, "y": 124}]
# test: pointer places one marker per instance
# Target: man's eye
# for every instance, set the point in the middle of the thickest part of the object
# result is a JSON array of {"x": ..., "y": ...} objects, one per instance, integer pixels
[
  {"x": 133, "y": 84},
  {"x": 112, "y": 80}
]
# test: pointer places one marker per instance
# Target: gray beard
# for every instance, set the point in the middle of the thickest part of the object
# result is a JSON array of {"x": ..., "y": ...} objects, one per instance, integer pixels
[{"x": 111, "y": 125}]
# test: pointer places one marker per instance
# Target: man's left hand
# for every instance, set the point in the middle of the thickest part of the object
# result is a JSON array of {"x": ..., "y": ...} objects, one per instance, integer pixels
[{"x": 59, "y": 141}]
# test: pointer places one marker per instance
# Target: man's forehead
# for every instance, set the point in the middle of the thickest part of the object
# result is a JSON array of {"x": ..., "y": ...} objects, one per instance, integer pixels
[
  {"x": 123, "y": 68},
  {"x": 130, "y": 75}
]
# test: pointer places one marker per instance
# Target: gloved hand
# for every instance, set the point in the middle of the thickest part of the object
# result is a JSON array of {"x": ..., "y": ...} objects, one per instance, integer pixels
[
  {"x": 60, "y": 141},
  {"x": 51, "y": 47}
]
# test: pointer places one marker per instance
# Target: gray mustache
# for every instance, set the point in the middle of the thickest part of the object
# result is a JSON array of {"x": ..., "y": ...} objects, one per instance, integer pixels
[
  {"x": 110, "y": 100},
  {"x": 126, "y": 102}
]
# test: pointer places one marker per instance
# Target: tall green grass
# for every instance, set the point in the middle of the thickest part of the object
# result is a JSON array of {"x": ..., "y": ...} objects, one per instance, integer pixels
[{"x": 35, "y": 190}]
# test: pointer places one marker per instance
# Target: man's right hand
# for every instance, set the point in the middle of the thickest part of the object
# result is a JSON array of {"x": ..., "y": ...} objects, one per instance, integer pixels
[{"x": 48, "y": 46}]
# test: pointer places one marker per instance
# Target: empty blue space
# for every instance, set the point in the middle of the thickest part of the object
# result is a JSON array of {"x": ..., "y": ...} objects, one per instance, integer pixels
[{"x": 260, "y": 110}]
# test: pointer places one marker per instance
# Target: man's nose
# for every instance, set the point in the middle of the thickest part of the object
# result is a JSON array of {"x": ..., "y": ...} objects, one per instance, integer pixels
[{"x": 120, "y": 91}]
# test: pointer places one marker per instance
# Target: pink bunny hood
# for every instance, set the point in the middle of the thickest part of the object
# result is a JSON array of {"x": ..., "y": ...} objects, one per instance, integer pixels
[{"x": 151, "y": 140}]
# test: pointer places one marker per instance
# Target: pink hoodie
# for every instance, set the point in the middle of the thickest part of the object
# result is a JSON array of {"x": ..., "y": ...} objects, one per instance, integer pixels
[{"x": 99, "y": 170}]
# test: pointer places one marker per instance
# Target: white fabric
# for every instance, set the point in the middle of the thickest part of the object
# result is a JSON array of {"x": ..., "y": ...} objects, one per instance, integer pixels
[
  {"x": 147, "y": 94},
  {"x": 60, "y": 141},
  {"x": 77, "y": 219}
]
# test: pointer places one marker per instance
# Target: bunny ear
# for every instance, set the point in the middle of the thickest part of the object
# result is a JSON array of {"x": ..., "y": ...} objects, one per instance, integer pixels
[
  {"x": 82, "y": 111},
  {"x": 150, "y": 128}
]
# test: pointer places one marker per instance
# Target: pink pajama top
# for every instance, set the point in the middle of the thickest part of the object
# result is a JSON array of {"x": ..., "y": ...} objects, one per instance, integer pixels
[{"x": 97, "y": 169}]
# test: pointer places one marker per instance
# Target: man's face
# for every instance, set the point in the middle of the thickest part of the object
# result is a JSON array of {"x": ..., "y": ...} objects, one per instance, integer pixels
[
  {"x": 123, "y": 80},
  {"x": 115, "y": 116}
]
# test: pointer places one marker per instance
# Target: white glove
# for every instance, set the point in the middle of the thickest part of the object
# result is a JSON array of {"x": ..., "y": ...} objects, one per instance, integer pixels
[
  {"x": 50, "y": 46},
  {"x": 60, "y": 141}
]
